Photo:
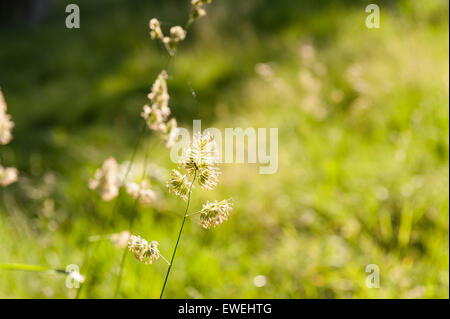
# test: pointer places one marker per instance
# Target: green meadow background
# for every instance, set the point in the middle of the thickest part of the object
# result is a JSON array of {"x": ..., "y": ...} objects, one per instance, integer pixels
[{"x": 363, "y": 173}]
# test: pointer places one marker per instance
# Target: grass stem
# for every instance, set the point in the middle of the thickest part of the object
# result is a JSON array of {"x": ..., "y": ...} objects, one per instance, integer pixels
[{"x": 179, "y": 236}]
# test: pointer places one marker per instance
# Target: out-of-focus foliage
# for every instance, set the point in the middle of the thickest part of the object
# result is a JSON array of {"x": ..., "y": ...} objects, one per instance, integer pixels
[{"x": 363, "y": 119}]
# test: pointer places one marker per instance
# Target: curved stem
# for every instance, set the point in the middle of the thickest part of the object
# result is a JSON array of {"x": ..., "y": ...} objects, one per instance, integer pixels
[{"x": 179, "y": 236}]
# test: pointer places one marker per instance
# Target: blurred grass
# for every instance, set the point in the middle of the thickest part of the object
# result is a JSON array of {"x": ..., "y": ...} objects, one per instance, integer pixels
[{"x": 363, "y": 148}]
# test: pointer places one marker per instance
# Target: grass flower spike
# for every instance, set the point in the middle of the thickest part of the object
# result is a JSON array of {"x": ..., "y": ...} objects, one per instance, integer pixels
[
  {"x": 178, "y": 184},
  {"x": 141, "y": 191},
  {"x": 156, "y": 115},
  {"x": 3, "y": 106},
  {"x": 170, "y": 133},
  {"x": 6, "y": 124},
  {"x": 197, "y": 9},
  {"x": 142, "y": 250},
  {"x": 106, "y": 181},
  {"x": 120, "y": 240},
  {"x": 201, "y": 161},
  {"x": 177, "y": 34},
  {"x": 201, "y": 158},
  {"x": 214, "y": 213},
  {"x": 8, "y": 175},
  {"x": 155, "y": 29},
  {"x": 159, "y": 95},
  {"x": 153, "y": 117}
]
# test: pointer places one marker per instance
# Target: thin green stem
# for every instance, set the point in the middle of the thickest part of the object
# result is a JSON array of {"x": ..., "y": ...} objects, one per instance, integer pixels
[
  {"x": 130, "y": 226},
  {"x": 179, "y": 236},
  {"x": 188, "y": 24},
  {"x": 122, "y": 261},
  {"x": 34, "y": 268},
  {"x": 116, "y": 204}
]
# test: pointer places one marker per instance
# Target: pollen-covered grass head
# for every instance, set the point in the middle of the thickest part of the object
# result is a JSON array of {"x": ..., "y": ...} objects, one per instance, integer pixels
[
  {"x": 142, "y": 191},
  {"x": 106, "y": 180},
  {"x": 6, "y": 125},
  {"x": 142, "y": 250},
  {"x": 156, "y": 115},
  {"x": 170, "y": 133},
  {"x": 201, "y": 159},
  {"x": 215, "y": 213},
  {"x": 177, "y": 34},
  {"x": 120, "y": 240},
  {"x": 8, "y": 175},
  {"x": 197, "y": 9},
  {"x": 178, "y": 184}
]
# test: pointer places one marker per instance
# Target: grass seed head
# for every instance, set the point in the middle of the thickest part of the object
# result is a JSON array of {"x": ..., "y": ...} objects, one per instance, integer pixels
[
  {"x": 6, "y": 124},
  {"x": 120, "y": 240},
  {"x": 106, "y": 180},
  {"x": 155, "y": 29},
  {"x": 214, "y": 213},
  {"x": 8, "y": 175},
  {"x": 201, "y": 157},
  {"x": 142, "y": 191},
  {"x": 142, "y": 250},
  {"x": 170, "y": 133},
  {"x": 156, "y": 115},
  {"x": 178, "y": 184},
  {"x": 197, "y": 9}
]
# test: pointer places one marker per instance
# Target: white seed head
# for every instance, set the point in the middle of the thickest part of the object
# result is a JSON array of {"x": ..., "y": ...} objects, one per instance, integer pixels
[
  {"x": 156, "y": 114},
  {"x": 155, "y": 29},
  {"x": 153, "y": 117},
  {"x": 147, "y": 196},
  {"x": 142, "y": 250},
  {"x": 8, "y": 175},
  {"x": 159, "y": 95},
  {"x": 154, "y": 24},
  {"x": 3, "y": 106},
  {"x": 106, "y": 180},
  {"x": 170, "y": 133},
  {"x": 177, "y": 33},
  {"x": 214, "y": 213},
  {"x": 200, "y": 2},
  {"x": 141, "y": 191},
  {"x": 197, "y": 10},
  {"x": 120, "y": 240},
  {"x": 6, "y": 124}
]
